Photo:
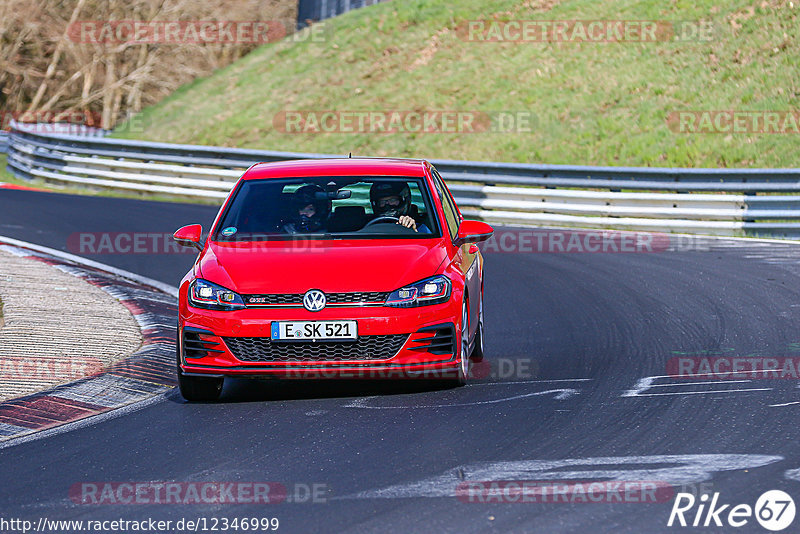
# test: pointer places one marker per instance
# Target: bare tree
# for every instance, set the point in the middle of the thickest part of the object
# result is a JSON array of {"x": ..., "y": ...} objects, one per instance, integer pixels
[{"x": 46, "y": 66}]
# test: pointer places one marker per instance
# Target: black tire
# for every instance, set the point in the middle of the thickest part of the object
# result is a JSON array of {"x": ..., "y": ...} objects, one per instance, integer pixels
[
  {"x": 478, "y": 348},
  {"x": 200, "y": 388},
  {"x": 463, "y": 368},
  {"x": 196, "y": 388}
]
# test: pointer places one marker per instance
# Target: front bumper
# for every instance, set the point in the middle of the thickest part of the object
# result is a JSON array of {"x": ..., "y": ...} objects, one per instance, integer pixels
[{"x": 211, "y": 343}]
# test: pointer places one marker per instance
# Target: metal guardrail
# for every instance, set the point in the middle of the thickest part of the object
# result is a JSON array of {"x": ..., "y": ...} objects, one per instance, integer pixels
[
  {"x": 316, "y": 10},
  {"x": 57, "y": 128},
  {"x": 703, "y": 201}
]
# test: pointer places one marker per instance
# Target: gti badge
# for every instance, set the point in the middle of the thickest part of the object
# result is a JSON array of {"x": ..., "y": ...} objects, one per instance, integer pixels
[{"x": 314, "y": 300}]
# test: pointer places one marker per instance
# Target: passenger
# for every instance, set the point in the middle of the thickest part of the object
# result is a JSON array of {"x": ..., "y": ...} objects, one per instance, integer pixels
[{"x": 310, "y": 211}]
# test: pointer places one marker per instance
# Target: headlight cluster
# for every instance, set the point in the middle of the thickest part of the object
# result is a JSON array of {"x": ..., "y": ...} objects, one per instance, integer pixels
[
  {"x": 433, "y": 290},
  {"x": 204, "y": 294}
]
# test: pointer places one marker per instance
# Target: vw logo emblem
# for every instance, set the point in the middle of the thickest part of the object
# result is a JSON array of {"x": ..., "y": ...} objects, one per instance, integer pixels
[{"x": 314, "y": 300}]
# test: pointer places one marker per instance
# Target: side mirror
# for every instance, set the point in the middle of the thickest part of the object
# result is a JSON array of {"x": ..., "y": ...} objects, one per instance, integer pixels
[
  {"x": 473, "y": 232},
  {"x": 189, "y": 236}
]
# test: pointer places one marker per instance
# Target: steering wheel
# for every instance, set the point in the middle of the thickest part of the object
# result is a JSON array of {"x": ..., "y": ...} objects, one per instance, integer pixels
[{"x": 382, "y": 219}]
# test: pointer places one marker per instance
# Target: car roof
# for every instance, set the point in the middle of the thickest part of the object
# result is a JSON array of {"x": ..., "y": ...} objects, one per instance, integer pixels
[{"x": 337, "y": 167}]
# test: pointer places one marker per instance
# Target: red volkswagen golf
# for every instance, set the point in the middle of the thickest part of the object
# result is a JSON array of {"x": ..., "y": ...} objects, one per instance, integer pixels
[{"x": 343, "y": 268}]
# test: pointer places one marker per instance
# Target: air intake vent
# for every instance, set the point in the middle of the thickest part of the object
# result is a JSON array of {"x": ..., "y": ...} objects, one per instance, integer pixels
[
  {"x": 196, "y": 347},
  {"x": 439, "y": 339}
]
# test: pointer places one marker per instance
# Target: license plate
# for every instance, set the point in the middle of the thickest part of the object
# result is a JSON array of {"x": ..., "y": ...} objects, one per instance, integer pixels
[{"x": 314, "y": 330}]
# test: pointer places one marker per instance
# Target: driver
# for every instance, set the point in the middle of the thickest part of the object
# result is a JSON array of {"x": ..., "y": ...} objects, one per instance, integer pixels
[
  {"x": 393, "y": 199},
  {"x": 309, "y": 211}
]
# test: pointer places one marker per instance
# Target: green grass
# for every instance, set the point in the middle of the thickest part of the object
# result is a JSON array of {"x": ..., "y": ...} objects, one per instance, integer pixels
[
  {"x": 594, "y": 103},
  {"x": 8, "y": 178},
  {"x": 5, "y": 176}
]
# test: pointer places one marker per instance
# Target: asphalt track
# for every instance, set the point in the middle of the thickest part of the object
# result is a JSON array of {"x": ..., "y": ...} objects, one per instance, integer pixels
[{"x": 573, "y": 338}]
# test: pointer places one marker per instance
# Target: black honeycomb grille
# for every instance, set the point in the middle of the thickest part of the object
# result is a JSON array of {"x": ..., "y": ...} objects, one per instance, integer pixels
[{"x": 263, "y": 349}]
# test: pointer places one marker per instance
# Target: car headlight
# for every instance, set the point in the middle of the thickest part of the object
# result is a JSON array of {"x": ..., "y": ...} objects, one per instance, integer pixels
[
  {"x": 433, "y": 290},
  {"x": 204, "y": 294}
]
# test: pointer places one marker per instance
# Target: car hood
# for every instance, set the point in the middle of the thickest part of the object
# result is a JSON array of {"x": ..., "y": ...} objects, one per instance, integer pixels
[{"x": 331, "y": 266}]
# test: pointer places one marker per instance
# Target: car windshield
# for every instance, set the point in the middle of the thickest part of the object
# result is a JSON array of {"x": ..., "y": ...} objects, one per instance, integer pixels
[{"x": 329, "y": 207}]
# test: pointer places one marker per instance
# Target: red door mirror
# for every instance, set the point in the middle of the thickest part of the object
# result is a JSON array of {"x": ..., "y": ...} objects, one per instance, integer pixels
[
  {"x": 189, "y": 236},
  {"x": 473, "y": 232}
]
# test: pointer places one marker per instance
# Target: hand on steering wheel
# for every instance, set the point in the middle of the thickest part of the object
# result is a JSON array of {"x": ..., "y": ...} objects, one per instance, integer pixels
[{"x": 382, "y": 219}]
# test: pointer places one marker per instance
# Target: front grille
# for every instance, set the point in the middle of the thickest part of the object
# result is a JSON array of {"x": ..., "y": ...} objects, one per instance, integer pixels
[
  {"x": 274, "y": 300},
  {"x": 356, "y": 297},
  {"x": 263, "y": 349},
  {"x": 296, "y": 299}
]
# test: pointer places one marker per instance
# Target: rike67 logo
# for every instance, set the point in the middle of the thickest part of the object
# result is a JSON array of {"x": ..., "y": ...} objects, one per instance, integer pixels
[{"x": 774, "y": 510}]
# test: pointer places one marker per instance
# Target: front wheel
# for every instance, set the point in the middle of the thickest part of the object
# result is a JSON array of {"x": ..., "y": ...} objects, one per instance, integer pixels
[
  {"x": 196, "y": 388},
  {"x": 200, "y": 388},
  {"x": 477, "y": 350},
  {"x": 463, "y": 367}
]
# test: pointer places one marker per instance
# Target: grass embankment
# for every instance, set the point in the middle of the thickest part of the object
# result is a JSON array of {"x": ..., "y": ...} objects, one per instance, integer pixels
[{"x": 594, "y": 103}]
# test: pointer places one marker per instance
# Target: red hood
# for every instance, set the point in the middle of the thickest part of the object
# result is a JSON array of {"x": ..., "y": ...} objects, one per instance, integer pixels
[{"x": 331, "y": 266}]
